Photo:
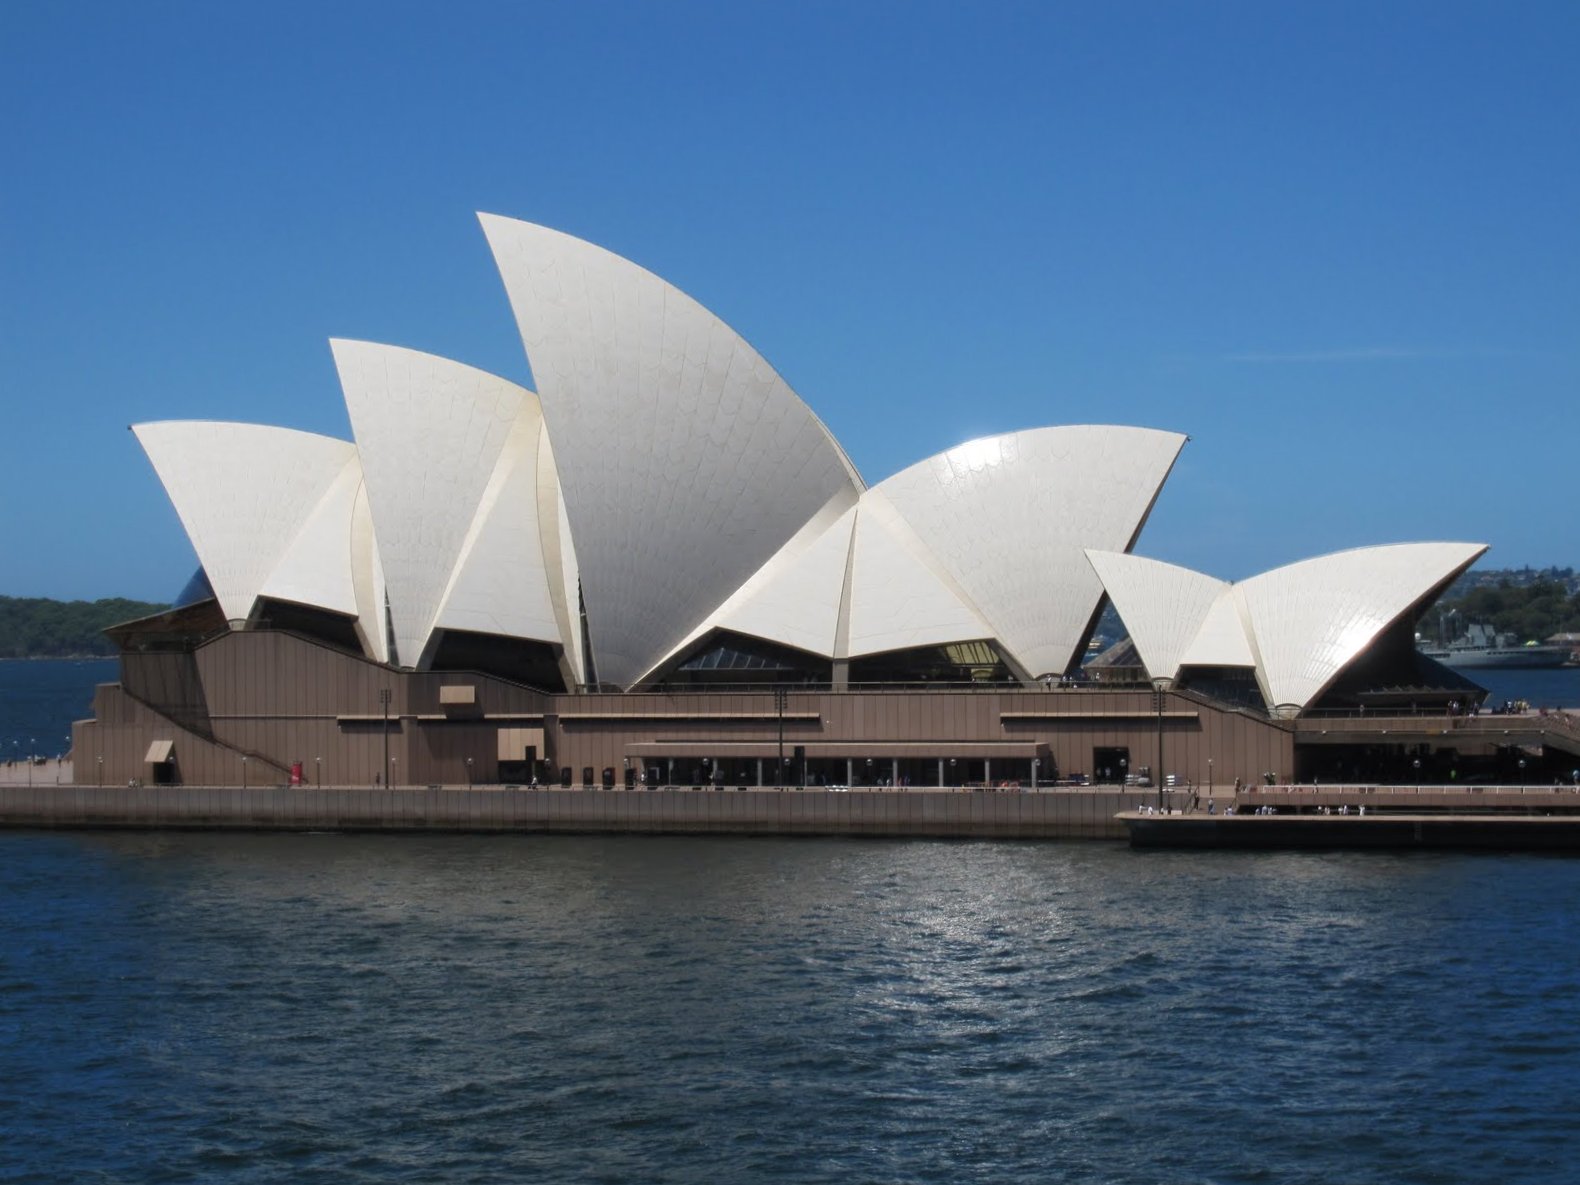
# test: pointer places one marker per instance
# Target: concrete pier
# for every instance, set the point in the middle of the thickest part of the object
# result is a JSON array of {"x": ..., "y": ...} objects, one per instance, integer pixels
[
  {"x": 1509, "y": 832},
  {"x": 1082, "y": 813}
]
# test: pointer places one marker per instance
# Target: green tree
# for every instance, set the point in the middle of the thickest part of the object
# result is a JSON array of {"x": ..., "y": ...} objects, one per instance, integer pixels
[{"x": 1532, "y": 612}]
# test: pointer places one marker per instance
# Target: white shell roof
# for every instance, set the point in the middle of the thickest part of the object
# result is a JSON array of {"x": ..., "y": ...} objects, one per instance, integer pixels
[
  {"x": 1311, "y": 619},
  {"x": 1222, "y": 640},
  {"x": 685, "y": 460},
  {"x": 446, "y": 510},
  {"x": 795, "y": 597},
  {"x": 333, "y": 562},
  {"x": 983, "y": 542},
  {"x": 1163, "y": 606},
  {"x": 687, "y": 488},
  {"x": 1299, "y": 625},
  {"x": 316, "y": 568},
  {"x": 243, "y": 492},
  {"x": 898, "y": 597},
  {"x": 1007, "y": 518},
  {"x": 501, "y": 583},
  {"x": 559, "y": 556},
  {"x": 431, "y": 434},
  {"x": 368, "y": 579},
  {"x": 859, "y": 585}
]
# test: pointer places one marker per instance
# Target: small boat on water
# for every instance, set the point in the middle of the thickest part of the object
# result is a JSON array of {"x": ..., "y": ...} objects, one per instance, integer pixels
[{"x": 1483, "y": 648}]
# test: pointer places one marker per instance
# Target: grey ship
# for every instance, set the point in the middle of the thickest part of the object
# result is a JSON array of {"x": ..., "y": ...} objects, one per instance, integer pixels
[{"x": 1481, "y": 647}]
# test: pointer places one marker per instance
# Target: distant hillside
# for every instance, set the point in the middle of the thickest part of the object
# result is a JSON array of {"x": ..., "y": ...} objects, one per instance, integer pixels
[
  {"x": 1533, "y": 611},
  {"x": 36, "y": 627}
]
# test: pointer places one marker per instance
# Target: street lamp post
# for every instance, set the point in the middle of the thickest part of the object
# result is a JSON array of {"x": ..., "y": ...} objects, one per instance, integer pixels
[
  {"x": 101, "y": 771},
  {"x": 468, "y": 773},
  {"x": 32, "y": 743},
  {"x": 1157, "y": 695},
  {"x": 318, "y": 772},
  {"x": 243, "y": 771},
  {"x": 393, "y": 762}
]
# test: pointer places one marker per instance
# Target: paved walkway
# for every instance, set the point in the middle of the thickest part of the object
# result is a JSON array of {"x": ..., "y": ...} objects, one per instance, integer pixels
[{"x": 53, "y": 772}]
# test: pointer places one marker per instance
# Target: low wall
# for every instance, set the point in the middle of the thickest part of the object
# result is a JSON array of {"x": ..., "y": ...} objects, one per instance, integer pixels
[{"x": 1051, "y": 814}]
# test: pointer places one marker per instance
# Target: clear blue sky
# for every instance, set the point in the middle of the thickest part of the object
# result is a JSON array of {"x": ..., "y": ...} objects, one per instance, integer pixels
[{"x": 1339, "y": 245}]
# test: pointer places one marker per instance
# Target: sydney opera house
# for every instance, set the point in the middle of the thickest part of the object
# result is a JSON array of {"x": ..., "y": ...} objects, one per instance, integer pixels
[{"x": 661, "y": 568}]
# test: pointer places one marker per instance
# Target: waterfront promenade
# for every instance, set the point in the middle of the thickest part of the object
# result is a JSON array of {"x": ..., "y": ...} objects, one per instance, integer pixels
[{"x": 55, "y": 771}]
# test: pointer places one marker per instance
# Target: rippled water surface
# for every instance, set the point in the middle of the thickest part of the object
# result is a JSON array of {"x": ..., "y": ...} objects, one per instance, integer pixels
[{"x": 278, "y": 1008}]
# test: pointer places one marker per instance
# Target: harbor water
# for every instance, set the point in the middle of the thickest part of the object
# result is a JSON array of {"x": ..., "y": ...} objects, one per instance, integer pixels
[
  {"x": 39, "y": 699},
  {"x": 200, "y": 1007},
  {"x": 341, "y": 1008}
]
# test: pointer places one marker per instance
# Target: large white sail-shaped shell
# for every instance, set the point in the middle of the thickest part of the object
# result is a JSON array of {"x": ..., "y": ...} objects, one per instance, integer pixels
[
  {"x": 318, "y": 568},
  {"x": 898, "y": 599},
  {"x": 1162, "y": 605},
  {"x": 1311, "y": 619},
  {"x": 1008, "y": 518},
  {"x": 1299, "y": 625},
  {"x": 1221, "y": 641},
  {"x": 243, "y": 492},
  {"x": 430, "y": 433},
  {"x": 333, "y": 562},
  {"x": 502, "y": 584},
  {"x": 795, "y": 598},
  {"x": 686, "y": 461}
]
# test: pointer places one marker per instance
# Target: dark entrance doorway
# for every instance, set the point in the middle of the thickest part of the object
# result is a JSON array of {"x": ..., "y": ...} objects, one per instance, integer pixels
[
  {"x": 1110, "y": 764},
  {"x": 519, "y": 770}
]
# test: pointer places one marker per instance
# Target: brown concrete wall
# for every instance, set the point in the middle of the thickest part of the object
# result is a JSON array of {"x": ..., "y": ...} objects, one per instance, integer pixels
[
  {"x": 1065, "y": 814},
  {"x": 113, "y": 744},
  {"x": 281, "y": 698},
  {"x": 1071, "y": 723}
]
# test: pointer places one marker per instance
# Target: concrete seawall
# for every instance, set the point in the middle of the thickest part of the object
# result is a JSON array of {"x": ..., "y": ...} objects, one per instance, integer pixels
[
  {"x": 1053, "y": 814},
  {"x": 1483, "y": 832}
]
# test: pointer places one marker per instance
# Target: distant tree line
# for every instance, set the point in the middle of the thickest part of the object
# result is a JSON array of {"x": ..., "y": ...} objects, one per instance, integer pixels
[
  {"x": 1532, "y": 612},
  {"x": 1517, "y": 577},
  {"x": 37, "y": 627}
]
